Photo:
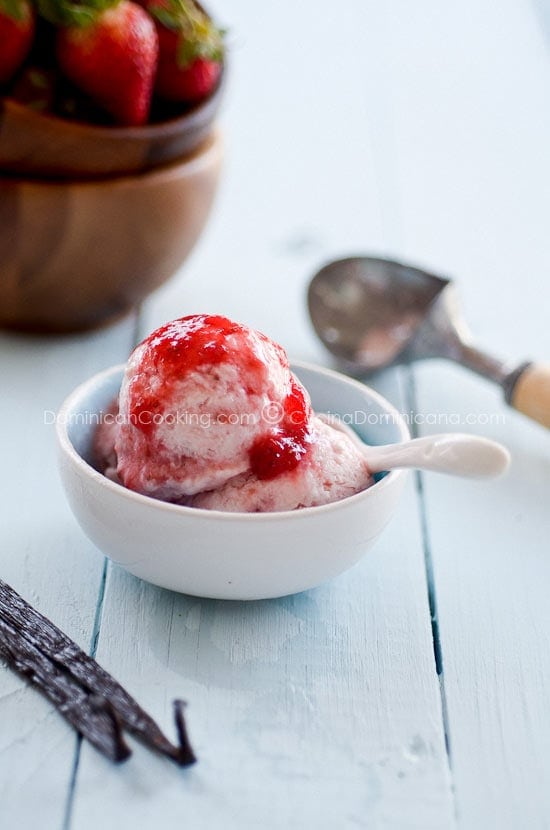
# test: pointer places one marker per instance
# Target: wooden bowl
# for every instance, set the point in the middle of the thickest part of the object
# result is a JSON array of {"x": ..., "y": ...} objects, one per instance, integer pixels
[
  {"x": 37, "y": 145},
  {"x": 74, "y": 255}
]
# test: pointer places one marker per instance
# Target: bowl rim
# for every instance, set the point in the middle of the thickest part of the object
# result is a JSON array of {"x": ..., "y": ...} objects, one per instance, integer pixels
[
  {"x": 210, "y": 145},
  {"x": 68, "y": 449}
]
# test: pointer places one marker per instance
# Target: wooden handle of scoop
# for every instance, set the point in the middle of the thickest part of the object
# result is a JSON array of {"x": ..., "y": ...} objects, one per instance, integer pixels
[{"x": 531, "y": 393}]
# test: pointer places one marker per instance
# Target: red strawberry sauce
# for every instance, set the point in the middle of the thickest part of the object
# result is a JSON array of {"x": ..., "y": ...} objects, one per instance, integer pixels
[{"x": 281, "y": 450}]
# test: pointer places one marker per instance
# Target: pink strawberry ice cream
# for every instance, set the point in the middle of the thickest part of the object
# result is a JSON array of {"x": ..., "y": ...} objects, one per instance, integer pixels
[{"x": 211, "y": 416}]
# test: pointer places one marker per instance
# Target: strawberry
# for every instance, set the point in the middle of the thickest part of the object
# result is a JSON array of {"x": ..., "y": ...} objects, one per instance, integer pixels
[
  {"x": 111, "y": 54},
  {"x": 17, "y": 22},
  {"x": 190, "y": 50}
]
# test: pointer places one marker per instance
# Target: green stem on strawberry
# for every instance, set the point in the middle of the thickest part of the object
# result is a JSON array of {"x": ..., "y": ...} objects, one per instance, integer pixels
[
  {"x": 198, "y": 36},
  {"x": 14, "y": 9},
  {"x": 66, "y": 13}
]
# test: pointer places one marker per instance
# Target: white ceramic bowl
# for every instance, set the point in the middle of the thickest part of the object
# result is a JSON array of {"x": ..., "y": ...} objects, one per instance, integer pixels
[{"x": 229, "y": 555}]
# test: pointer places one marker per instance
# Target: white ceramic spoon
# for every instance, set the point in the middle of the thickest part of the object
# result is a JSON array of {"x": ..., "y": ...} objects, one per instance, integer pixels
[{"x": 456, "y": 453}]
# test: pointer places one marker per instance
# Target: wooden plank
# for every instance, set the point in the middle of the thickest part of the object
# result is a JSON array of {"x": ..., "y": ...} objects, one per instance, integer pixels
[
  {"x": 472, "y": 128},
  {"x": 491, "y": 571},
  {"x": 321, "y": 709},
  {"x": 44, "y": 556}
]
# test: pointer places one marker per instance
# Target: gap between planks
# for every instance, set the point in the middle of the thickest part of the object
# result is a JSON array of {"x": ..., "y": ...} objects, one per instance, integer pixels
[
  {"x": 96, "y": 631},
  {"x": 411, "y": 400}
]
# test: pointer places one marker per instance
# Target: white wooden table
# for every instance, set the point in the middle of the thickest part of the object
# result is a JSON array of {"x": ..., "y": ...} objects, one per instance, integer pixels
[{"x": 412, "y": 692}]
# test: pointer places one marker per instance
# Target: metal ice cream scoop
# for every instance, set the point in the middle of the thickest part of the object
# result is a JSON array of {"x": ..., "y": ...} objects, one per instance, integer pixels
[{"x": 372, "y": 313}]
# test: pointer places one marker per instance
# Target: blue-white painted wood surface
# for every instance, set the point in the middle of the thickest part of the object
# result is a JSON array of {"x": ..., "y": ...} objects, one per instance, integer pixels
[
  {"x": 44, "y": 556},
  {"x": 420, "y": 130}
]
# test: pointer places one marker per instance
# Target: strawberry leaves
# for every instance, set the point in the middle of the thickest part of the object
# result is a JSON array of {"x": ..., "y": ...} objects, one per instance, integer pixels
[
  {"x": 198, "y": 37},
  {"x": 14, "y": 9},
  {"x": 66, "y": 13}
]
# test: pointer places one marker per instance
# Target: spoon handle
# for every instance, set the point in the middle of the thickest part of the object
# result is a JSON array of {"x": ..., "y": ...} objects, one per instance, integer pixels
[{"x": 457, "y": 453}]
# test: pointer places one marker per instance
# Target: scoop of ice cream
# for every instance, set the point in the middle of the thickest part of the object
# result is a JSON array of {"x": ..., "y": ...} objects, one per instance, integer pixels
[
  {"x": 198, "y": 397},
  {"x": 332, "y": 469},
  {"x": 211, "y": 416}
]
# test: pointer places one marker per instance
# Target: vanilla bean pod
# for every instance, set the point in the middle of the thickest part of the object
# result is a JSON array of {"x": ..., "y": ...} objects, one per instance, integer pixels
[
  {"x": 183, "y": 739},
  {"x": 48, "y": 640},
  {"x": 83, "y": 711}
]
